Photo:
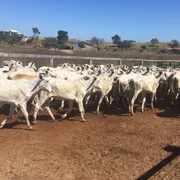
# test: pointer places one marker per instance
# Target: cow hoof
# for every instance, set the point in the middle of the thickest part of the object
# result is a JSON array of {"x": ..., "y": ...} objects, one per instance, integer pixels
[
  {"x": 63, "y": 116},
  {"x": 33, "y": 122},
  {"x": 30, "y": 127},
  {"x": 83, "y": 120},
  {"x": 97, "y": 112}
]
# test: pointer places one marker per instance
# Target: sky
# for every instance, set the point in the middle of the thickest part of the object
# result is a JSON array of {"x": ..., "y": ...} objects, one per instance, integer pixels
[{"x": 139, "y": 20}]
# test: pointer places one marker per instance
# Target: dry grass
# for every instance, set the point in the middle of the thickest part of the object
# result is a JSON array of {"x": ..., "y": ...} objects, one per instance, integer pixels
[{"x": 93, "y": 53}]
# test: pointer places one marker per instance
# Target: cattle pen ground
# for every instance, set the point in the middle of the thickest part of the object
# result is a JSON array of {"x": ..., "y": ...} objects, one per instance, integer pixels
[{"x": 108, "y": 146}]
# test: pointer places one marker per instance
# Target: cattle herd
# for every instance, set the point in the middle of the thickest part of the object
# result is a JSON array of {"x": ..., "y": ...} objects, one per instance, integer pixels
[{"x": 25, "y": 86}]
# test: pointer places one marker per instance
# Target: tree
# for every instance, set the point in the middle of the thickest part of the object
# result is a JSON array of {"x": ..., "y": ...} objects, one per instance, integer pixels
[
  {"x": 62, "y": 37},
  {"x": 154, "y": 41},
  {"x": 50, "y": 42},
  {"x": 125, "y": 44},
  {"x": 36, "y": 32},
  {"x": 81, "y": 45},
  {"x": 143, "y": 48},
  {"x": 174, "y": 43},
  {"x": 30, "y": 40},
  {"x": 116, "y": 39},
  {"x": 12, "y": 38},
  {"x": 97, "y": 41}
]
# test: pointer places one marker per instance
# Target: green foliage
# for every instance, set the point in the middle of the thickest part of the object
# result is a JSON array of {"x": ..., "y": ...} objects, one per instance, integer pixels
[
  {"x": 97, "y": 41},
  {"x": 125, "y": 45},
  {"x": 36, "y": 31},
  {"x": 143, "y": 47},
  {"x": 141, "y": 50},
  {"x": 30, "y": 40},
  {"x": 154, "y": 41},
  {"x": 116, "y": 39},
  {"x": 62, "y": 37},
  {"x": 63, "y": 46},
  {"x": 12, "y": 38},
  {"x": 50, "y": 42},
  {"x": 81, "y": 45},
  {"x": 163, "y": 50},
  {"x": 174, "y": 43},
  {"x": 115, "y": 49}
]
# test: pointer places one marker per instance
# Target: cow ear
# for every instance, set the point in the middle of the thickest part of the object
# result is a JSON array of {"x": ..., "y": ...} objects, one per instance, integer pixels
[
  {"x": 40, "y": 76},
  {"x": 115, "y": 79},
  {"x": 86, "y": 78}
]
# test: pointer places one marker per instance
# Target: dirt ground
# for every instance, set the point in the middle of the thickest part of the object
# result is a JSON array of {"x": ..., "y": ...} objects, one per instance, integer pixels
[{"x": 106, "y": 147}]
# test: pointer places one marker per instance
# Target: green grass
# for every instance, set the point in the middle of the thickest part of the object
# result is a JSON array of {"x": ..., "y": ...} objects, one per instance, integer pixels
[
  {"x": 29, "y": 50},
  {"x": 93, "y": 53}
]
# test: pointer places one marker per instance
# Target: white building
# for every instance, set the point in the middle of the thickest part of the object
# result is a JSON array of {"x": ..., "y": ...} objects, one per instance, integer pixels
[
  {"x": 14, "y": 31},
  {"x": 11, "y": 31}
]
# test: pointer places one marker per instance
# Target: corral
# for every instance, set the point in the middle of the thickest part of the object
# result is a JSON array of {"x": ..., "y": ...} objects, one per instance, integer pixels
[
  {"x": 111, "y": 145},
  {"x": 106, "y": 147}
]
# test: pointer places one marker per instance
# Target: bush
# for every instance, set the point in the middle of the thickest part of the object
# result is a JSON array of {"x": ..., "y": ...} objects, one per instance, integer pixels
[
  {"x": 115, "y": 49},
  {"x": 30, "y": 40},
  {"x": 81, "y": 45},
  {"x": 50, "y": 42},
  {"x": 141, "y": 50},
  {"x": 143, "y": 47},
  {"x": 63, "y": 46}
]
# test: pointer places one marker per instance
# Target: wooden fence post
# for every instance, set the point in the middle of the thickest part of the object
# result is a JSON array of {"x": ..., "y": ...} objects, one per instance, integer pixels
[
  {"x": 90, "y": 61},
  {"x": 120, "y": 62},
  {"x": 51, "y": 63},
  {"x": 142, "y": 62}
]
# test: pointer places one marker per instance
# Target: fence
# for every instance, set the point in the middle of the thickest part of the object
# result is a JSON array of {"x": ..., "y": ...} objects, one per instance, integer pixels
[{"x": 54, "y": 60}]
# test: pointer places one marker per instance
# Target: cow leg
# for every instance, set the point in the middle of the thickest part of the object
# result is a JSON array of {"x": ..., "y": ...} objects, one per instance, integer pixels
[
  {"x": 16, "y": 109},
  {"x": 70, "y": 103},
  {"x": 132, "y": 102},
  {"x": 110, "y": 100},
  {"x": 152, "y": 100},
  {"x": 107, "y": 100},
  {"x": 11, "y": 113},
  {"x": 50, "y": 113},
  {"x": 24, "y": 111},
  {"x": 86, "y": 99},
  {"x": 81, "y": 109},
  {"x": 38, "y": 105},
  {"x": 36, "y": 110},
  {"x": 99, "y": 103},
  {"x": 62, "y": 105},
  {"x": 143, "y": 102}
]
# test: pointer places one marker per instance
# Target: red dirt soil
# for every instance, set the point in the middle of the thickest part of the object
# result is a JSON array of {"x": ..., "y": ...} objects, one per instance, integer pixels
[{"x": 106, "y": 147}]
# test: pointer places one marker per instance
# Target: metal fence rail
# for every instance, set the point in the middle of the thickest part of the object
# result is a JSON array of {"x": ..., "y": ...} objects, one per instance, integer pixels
[{"x": 54, "y": 60}]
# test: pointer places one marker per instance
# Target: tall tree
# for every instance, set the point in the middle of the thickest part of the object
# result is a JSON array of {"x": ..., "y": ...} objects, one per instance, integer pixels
[
  {"x": 97, "y": 41},
  {"x": 154, "y": 41},
  {"x": 116, "y": 39},
  {"x": 125, "y": 44},
  {"x": 12, "y": 38},
  {"x": 36, "y": 32},
  {"x": 62, "y": 36},
  {"x": 50, "y": 42},
  {"x": 174, "y": 43}
]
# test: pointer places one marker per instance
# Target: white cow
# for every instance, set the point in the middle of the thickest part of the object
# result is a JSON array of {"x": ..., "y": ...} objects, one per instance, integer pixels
[
  {"x": 102, "y": 87},
  {"x": 66, "y": 90},
  {"x": 144, "y": 85},
  {"x": 19, "y": 92}
]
